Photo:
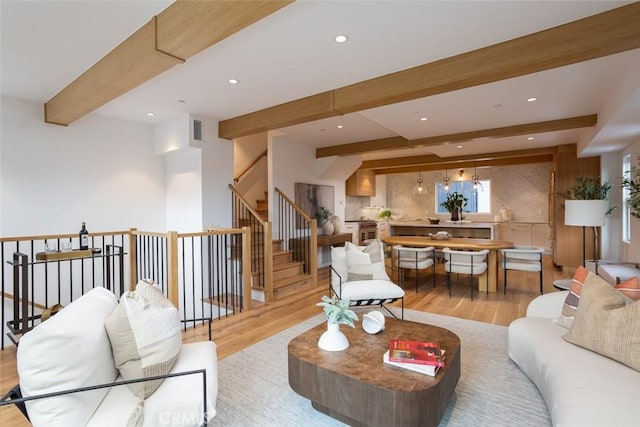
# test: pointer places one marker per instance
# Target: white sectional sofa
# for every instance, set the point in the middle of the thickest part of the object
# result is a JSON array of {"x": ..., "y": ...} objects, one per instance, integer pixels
[
  {"x": 72, "y": 350},
  {"x": 580, "y": 388}
]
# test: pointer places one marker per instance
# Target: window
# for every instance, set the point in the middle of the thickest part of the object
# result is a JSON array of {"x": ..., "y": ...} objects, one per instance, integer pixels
[
  {"x": 626, "y": 212},
  {"x": 479, "y": 201}
]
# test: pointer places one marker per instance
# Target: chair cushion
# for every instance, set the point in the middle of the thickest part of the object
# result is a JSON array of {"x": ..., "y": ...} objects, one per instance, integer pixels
[
  {"x": 465, "y": 268},
  {"x": 69, "y": 350},
  {"x": 177, "y": 402},
  {"x": 611, "y": 273},
  {"x": 420, "y": 264},
  {"x": 605, "y": 324},
  {"x": 145, "y": 336},
  {"x": 522, "y": 264},
  {"x": 371, "y": 290}
]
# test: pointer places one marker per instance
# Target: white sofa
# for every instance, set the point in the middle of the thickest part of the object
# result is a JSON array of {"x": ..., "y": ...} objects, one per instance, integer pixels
[
  {"x": 580, "y": 388},
  {"x": 72, "y": 350}
]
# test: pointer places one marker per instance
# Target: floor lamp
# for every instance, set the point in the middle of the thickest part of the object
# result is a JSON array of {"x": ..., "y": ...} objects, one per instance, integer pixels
[{"x": 585, "y": 213}]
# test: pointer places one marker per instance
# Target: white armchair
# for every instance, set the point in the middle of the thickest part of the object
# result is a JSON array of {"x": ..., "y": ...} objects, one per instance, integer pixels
[
  {"x": 358, "y": 274},
  {"x": 472, "y": 263}
]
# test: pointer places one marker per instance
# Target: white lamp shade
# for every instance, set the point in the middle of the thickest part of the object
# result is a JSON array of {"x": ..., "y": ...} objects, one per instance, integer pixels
[{"x": 587, "y": 213}]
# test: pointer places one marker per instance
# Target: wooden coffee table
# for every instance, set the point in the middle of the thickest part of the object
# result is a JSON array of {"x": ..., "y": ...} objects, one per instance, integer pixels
[{"x": 356, "y": 387}]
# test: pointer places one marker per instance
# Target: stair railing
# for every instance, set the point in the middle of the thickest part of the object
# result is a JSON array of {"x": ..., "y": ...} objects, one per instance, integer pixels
[
  {"x": 251, "y": 166},
  {"x": 298, "y": 233},
  {"x": 243, "y": 215}
]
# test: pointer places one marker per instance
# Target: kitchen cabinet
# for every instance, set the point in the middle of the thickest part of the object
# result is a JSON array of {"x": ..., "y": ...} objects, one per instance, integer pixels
[
  {"x": 353, "y": 228},
  {"x": 383, "y": 229},
  {"x": 528, "y": 234},
  {"x": 361, "y": 183}
]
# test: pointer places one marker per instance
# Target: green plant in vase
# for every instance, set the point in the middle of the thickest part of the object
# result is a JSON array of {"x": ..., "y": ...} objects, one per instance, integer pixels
[
  {"x": 338, "y": 311},
  {"x": 454, "y": 204},
  {"x": 323, "y": 215}
]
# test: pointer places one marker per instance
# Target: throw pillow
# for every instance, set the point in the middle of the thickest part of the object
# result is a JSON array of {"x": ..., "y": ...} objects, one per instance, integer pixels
[
  {"x": 145, "y": 336},
  {"x": 367, "y": 263},
  {"x": 630, "y": 288},
  {"x": 573, "y": 298},
  {"x": 605, "y": 324}
]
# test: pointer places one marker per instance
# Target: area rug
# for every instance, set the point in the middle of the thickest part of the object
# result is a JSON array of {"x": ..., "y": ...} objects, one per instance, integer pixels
[{"x": 492, "y": 391}]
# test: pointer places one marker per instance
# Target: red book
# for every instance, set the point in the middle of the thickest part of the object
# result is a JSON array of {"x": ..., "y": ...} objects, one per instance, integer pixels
[{"x": 418, "y": 352}]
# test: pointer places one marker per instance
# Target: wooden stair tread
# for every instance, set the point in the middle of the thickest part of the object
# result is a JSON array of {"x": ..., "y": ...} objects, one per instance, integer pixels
[
  {"x": 287, "y": 265},
  {"x": 291, "y": 280}
]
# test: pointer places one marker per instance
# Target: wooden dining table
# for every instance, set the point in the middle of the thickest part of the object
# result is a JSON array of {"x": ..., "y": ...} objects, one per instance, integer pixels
[{"x": 488, "y": 280}]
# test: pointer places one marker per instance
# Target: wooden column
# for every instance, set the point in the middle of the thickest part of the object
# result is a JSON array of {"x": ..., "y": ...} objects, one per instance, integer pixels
[
  {"x": 173, "y": 292},
  {"x": 133, "y": 258}
]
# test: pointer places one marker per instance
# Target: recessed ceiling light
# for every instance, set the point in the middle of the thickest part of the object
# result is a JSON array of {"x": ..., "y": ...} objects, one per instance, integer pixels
[
  {"x": 234, "y": 81},
  {"x": 459, "y": 146},
  {"x": 340, "y": 126},
  {"x": 150, "y": 114},
  {"x": 530, "y": 138},
  {"x": 533, "y": 98},
  {"x": 182, "y": 101},
  {"x": 424, "y": 119},
  {"x": 341, "y": 38}
]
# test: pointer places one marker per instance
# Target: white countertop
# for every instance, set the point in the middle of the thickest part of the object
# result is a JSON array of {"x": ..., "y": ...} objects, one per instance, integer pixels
[{"x": 459, "y": 224}]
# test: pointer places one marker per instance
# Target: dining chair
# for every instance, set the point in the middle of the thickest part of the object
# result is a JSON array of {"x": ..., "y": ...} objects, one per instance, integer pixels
[
  {"x": 417, "y": 259},
  {"x": 472, "y": 263},
  {"x": 522, "y": 258}
]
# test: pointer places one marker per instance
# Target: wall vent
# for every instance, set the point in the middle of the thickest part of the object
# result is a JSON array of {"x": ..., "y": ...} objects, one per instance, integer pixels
[{"x": 197, "y": 130}]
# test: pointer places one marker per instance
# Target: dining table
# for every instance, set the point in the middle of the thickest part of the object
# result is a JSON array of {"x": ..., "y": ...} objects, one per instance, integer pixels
[{"x": 487, "y": 281}]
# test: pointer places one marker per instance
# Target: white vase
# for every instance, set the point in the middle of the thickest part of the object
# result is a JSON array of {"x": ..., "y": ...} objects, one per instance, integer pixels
[
  {"x": 333, "y": 339},
  {"x": 337, "y": 224},
  {"x": 327, "y": 228}
]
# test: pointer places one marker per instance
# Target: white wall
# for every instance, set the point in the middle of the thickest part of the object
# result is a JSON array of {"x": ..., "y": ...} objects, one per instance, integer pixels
[
  {"x": 99, "y": 170},
  {"x": 184, "y": 190},
  {"x": 611, "y": 232},
  {"x": 217, "y": 174},
  {"x": 631, "y": 251}
]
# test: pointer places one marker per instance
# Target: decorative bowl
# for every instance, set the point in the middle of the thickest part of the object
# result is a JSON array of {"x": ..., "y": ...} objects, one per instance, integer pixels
[{"x": 438, "y": 236}]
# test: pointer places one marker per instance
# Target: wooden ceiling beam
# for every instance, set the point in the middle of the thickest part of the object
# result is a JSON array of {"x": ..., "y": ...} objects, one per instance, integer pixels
[
  {"x": 453, "y": 162},
  {"x": 384, "y": 144},
  {"x": 604, "y": 34},
  {"x": 507, "y": 161},
  {"x": 395, "y": 143},
  {"x": 502, "y": 132},
  {"x": 177, "y": 33}
]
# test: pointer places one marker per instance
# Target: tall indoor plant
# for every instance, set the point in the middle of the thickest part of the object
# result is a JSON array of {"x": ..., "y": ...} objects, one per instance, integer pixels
[
  {"x": 632, "y": 184},
  {"x": 586, "y": 205},
  {"x": 454, "y": 203}
]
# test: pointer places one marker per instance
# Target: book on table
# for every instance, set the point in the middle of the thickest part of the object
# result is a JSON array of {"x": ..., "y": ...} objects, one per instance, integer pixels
[
  {"x": 430, "y": 370},
  {"x": 415, "y": 352}
]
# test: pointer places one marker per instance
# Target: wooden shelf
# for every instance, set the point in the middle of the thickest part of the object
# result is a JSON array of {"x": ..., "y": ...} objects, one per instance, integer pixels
[
  {"x": 334, "y": 239},
  {"x": 64, "y": 255}
]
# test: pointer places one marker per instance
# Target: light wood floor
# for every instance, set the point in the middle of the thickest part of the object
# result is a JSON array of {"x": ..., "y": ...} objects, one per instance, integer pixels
[{"x": 234, "y": 334}]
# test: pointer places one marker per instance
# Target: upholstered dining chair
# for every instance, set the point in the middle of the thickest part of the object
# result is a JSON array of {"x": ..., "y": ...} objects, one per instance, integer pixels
[
  {"x": 472, "y": 263},
  {"x": 407, "y": 258},
  {"x": 522, "y": 258}
]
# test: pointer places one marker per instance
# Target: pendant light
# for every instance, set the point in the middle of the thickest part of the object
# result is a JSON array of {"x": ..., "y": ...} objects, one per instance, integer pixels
[
  {"x": 446, "y": 178},
  {"x": 476, "y": 179},
  {"x": 419, "y": 189}
]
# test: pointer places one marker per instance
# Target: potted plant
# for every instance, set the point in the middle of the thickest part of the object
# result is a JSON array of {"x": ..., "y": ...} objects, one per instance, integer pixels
[
  {"x": 323, "y": 215},
  {"x": 454, "y": 203},
  {"x": 632, "y": 183},
  {"x": 586, "y": 205},
  {"x": 337, "y": 312}
]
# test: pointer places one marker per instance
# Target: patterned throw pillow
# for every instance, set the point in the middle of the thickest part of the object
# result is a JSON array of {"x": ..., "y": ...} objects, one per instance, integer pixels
[
  {"x": 573, "y": 298},
  {"x": 366, "y": 264},
  {"x": 605, "y": 324},
  {"x": 145, "y": 336},
  {"x": 630, "y": 288}
]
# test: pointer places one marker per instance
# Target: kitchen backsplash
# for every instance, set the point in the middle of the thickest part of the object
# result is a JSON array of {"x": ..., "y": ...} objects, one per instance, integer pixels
[{"x": 523, "y": 188}]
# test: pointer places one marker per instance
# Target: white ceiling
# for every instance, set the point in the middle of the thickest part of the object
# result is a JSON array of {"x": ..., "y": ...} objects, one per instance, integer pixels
[{"x": 291, "y": 54}]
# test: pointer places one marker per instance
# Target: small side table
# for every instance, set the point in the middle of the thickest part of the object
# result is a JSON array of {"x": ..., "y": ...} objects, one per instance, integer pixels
[{"x": 562, "y": 284}]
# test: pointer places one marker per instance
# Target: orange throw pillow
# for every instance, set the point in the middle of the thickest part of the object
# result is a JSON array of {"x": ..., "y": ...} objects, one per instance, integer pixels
[{"x": 630, "y": 288}]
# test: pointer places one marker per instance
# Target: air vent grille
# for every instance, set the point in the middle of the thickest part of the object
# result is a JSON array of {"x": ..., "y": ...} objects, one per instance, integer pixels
[{"x": 197, "y": 130}]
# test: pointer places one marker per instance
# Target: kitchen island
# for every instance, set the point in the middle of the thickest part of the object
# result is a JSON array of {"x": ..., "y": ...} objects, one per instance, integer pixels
[{"x": 477, "y": 230}]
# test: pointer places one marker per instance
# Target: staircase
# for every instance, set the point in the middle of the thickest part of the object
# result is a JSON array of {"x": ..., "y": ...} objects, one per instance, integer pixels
[{"x": 288, "y": 275}]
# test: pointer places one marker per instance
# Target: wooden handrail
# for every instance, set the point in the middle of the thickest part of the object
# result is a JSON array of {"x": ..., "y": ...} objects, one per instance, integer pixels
[
  {"x": 293, "y": 205},
  {"x": 248, "y": 168},
  {"x": 246, "y": 204},
  {"x": 61, "y": 236}
]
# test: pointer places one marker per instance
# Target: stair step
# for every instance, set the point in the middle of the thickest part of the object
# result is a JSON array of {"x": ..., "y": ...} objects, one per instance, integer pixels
[
  {"x": 262, "y": 205},
  {"x": 282, "y": 257},
  {"x": 293, "y": 285},
  {"x": 287, "y": 270}
]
